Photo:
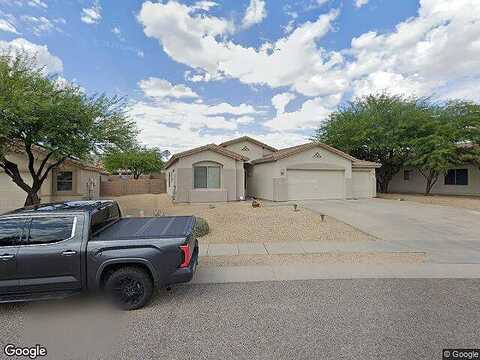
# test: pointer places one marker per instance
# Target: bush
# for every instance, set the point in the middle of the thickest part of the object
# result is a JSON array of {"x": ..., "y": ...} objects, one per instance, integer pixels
[{"x": 201, "y": 227}]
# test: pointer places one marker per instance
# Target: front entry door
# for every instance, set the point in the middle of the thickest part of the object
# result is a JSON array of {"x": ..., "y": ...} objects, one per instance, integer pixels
[{"x": 50, "y": 258}]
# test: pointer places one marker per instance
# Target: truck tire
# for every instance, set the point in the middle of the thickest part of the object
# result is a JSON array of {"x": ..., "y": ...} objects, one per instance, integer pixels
[{"x": 129, "y": 287}]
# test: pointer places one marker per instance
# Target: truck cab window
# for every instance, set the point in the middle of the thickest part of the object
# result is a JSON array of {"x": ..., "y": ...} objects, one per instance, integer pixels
[
  {"x": 50, "y": 230},
  {"x": 10, "y": 231}
]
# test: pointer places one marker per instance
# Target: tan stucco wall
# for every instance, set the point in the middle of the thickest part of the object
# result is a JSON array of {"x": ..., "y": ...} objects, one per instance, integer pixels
[
  {"x": 363, "y": 183},
  {"x": 255, "y": 151},
  {"x": 12, "y": 197},
  {"x": 260, "y": 180},
  {"x": 417, "y": 183},
  {"x": 270, "y": 180},
  {"x": 231, "y": 179}
]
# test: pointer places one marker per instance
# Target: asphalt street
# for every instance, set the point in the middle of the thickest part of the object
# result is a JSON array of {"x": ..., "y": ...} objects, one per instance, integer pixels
[{"x": 312, "y": 319}]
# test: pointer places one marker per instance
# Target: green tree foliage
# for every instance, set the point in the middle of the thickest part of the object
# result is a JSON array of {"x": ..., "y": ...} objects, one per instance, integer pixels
[
  {"x": 399, "y": 131},
  {"x": 447, "y": 137},
  {"x": 137, "y": 161},
  {"x": 63, "y": 121},
  {"x": 374, "y": 128}
]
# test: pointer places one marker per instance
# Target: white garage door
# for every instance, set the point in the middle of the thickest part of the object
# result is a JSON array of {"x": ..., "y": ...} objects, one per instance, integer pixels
[
  {"x": 11, "y": 196},
  {"x": 362, "y": 184},
  {"x": 316, "y": 184}
]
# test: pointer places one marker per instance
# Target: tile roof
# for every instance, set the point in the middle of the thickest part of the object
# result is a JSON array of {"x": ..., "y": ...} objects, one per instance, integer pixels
[
  {"x": 287, "y": 152},
  {"x": 248, "y": 138},
  {"x": 211, "y": 147}
]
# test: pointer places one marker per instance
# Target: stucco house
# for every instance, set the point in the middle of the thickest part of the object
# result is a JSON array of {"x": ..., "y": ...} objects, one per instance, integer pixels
[
  {"x": 460, "y": 180},
  {"x": 247, "y": 167},
  {"x": 73, "y": 180}
]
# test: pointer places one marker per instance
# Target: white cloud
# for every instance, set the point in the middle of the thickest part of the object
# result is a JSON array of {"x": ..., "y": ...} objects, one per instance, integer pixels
[
  {"x": 246, "y": 119},
  {"x": 93, "y": 14},
  {"x": 38, "y": 3},
  {"x": 167, "y": 115},
  {"x": 7, "y": 26},
  {"x": 199, "y": 42},
  {"x": 436, "y": 52},
  {"x": 311, "y": 113},
  {"x": 204, "y": 5},
  {"x": 140, "y": 54},
  {"x": 118, "y": 33},
  {"x": 40, "y": 24},
  {"x": 280, "y": 101},
  {"x": 360, "y": 3},
  {"x": 160, "y": 88},
  {"x": 52, "y": 64},
  {"x": 255, "y": 13}
]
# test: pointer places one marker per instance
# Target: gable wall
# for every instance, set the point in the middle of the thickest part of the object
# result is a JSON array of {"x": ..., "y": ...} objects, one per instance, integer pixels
[{"x": 256, "y": 152}]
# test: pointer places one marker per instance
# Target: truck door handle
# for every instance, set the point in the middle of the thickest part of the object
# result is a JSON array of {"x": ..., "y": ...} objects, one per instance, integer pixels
[
  {"x": 6, "y": 257},
  {"x": 69, "y": 253}
]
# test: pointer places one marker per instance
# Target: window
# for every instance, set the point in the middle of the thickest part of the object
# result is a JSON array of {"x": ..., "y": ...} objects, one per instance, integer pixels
[
  {"x": 103, "y": 217},
  {"x": 206, "y": 177},
  {"x": 10, "y": 231},
  {"x": 64, "y": 181},
  {"x": 456, "y": 177},
  {"x": 50, "y": 229},
  {"x": 406, "y": 175}
]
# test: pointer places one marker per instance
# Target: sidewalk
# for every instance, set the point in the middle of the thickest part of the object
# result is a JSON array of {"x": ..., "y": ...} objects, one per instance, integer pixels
[
  {"x": 298, "y": 248},
  {"x": 206, "y": 275}
]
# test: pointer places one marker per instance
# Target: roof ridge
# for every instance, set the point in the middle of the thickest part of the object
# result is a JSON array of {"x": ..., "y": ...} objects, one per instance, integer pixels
[
  {"x": 211, "y": 146},
  {"x": 248, "y": 138}
]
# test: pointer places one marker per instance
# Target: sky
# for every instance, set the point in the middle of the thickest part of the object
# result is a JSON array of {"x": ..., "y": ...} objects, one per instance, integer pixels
[{"x": 199, "y": 72}]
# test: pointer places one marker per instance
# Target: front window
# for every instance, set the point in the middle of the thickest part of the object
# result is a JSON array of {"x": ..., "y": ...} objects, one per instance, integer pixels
[
  {"x": 206, "y": 177},
  {"x": 64, "y": 181},
  {"x": 456, "y": 177}
]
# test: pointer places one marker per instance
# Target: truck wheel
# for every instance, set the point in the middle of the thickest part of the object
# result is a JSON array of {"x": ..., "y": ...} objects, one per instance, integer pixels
[{"x": 130, "y": 288}]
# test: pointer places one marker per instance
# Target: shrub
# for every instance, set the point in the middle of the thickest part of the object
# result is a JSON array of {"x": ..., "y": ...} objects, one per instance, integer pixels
[{"x": 201, "y": 227}]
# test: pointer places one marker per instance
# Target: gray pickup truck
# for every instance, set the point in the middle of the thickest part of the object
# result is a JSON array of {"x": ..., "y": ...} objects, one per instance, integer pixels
[{"x": 60, "y": 249}]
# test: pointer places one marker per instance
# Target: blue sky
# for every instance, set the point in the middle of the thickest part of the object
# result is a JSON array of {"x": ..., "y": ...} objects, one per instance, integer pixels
[{"x": 197, "y": 72}]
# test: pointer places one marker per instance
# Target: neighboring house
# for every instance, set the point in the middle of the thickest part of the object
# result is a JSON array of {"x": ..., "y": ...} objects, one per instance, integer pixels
[
  {"x": 72, "y": 180},
  {"x": 461, "y": 180},
  {"x": 247, "y": 167}
]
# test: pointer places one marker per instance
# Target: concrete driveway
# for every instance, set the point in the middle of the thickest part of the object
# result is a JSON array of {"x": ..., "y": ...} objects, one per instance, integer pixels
[{"x": 446, "y": 234}]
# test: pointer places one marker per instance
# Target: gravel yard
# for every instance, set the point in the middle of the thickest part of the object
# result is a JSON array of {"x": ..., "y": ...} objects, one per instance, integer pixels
[
  {"x": 465, "y": 202},
  {"x": 238, "y": 222}
]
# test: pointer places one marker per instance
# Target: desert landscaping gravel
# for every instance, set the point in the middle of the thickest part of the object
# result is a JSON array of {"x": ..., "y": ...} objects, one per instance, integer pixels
[
  {"x": 466, "y": 202},
  {"x": 238, "y": 222}
]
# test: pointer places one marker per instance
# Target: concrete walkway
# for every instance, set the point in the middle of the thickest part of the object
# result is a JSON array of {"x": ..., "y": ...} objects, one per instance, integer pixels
[
  {"x": 446, "y": 234},
  {"x": 301, "y": 247},
  {"x": 230, "y": 274}
]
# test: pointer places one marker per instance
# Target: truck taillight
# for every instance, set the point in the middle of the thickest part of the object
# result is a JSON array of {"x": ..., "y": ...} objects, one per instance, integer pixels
[{"x": 187, "y": 255}]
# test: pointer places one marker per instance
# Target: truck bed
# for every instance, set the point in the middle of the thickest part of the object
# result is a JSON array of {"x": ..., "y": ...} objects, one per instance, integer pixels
[{"x": 147, "y": 228}]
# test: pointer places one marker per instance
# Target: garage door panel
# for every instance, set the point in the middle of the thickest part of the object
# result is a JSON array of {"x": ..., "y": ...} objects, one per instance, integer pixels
[{"x": 315, "y": 184}]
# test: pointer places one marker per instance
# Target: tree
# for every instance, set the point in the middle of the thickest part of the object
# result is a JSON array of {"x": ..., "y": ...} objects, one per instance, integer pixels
[
  {"x": 449, "y": 136},
  {"x": 36, "y": 112},
  {"x": 137, "y": 161},
  {"x": 375, "y": 128}
]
